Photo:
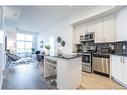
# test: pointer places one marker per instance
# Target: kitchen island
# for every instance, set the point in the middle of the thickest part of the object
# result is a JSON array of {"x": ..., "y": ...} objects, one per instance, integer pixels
[{"x": 68, "y": 70}]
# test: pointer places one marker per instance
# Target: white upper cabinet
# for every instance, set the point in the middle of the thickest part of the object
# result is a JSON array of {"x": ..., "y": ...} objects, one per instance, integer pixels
[
  {"x": 89, "y": 27},
  {"x": 109, "y": 29},
  {"x": 76, "y": 37},
  {"x": 105, "y": 29},
  {"x": 121, "y": 25},
  {"x": 99, "y": 30},
  {"x": 78, "y": 30}
]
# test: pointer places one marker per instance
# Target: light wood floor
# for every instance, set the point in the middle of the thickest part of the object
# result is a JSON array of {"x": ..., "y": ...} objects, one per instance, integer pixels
[
  {"x": 94, "y": 81},
  {"x": 25, "y": 76},
  {"x": 28, "y": 76}
]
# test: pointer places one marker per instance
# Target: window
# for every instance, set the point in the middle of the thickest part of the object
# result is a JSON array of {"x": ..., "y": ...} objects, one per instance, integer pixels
[{"x": 24, "y": 43}]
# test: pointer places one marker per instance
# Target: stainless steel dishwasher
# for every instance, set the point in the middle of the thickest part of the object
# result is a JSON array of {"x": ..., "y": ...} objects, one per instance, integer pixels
[{"x": 101, "y": 64}]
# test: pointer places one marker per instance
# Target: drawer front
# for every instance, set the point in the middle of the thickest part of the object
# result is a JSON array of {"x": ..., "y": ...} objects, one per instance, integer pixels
[{"x": 86, "y": 68}]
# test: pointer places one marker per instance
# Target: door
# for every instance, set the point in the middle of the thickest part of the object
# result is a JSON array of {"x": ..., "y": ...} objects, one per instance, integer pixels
[
  {"x": 125, "y": 71},
  {"x": 86, "y": 58},
  {"x": 117, "y": 67},
  {"x": 99, "y": 30},
  {"x": 108, "y": 32}
]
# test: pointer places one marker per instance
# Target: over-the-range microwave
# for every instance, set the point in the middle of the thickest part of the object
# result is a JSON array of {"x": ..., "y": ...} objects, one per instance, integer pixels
[{"x": 87, "y": 36}]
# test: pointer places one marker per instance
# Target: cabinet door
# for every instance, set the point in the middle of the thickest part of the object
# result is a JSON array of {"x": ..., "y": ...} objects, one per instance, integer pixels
[
  {"x": 76, "y": 37},
  {"x": 90, "y": 27},
  {"x": 117, "y": 67},
  {"x": 100, "y": 64},
  {"x": 108, "y": 33},
  {"x": 99, "y": 30},
  {"x": 79, "y": 30},
  {"x": 121, "y": 25},
  {"x": 95, "y": 64},
  {"x": 125, "y": 71},
  {"x": 105, "y": 66}
]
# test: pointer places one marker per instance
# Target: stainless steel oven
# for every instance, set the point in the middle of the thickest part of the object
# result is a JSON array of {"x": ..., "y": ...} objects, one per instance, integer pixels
[{"x": 87, "y": 62}]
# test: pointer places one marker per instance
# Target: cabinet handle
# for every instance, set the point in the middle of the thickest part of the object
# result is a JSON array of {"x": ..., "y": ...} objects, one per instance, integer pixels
[{"x": 121, "y": 60}]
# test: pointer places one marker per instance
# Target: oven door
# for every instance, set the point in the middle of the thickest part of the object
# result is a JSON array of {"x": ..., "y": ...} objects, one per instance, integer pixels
[{"x": 86, "y": 59}]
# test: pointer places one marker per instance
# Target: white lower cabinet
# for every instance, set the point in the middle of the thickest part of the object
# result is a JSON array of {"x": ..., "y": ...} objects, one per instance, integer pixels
[
  {"x": 125, "y": 71},
  {"x": 119, "y": 69}
]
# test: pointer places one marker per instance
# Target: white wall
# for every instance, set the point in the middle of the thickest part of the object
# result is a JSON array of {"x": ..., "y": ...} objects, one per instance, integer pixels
[
  {"x": 64, "y": 29},
  {"x": 1, "y": 65}
]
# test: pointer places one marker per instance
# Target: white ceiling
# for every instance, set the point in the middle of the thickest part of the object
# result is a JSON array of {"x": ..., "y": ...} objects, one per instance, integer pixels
[
  {"x": 11, "y": 15},
  {"x": 38, "y": 18}
]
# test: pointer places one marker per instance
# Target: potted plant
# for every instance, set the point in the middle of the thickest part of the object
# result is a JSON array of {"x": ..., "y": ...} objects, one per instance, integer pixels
[
  {"x": 48, "y": 48},
  {"x": 33, "y": 50}
]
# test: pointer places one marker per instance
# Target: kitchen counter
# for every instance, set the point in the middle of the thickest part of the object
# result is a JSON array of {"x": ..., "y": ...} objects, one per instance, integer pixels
[
  {"x": 66, "y": 56},
  {"x": 99, "y": 53},
  {"x": 111, "y": 54},
  {"x": 68, "y": 71},
  {"x": 120, "y": 55}
]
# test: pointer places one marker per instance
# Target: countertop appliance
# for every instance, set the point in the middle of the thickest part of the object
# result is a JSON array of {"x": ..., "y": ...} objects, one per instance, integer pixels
[{"x": 101, "y": 64}]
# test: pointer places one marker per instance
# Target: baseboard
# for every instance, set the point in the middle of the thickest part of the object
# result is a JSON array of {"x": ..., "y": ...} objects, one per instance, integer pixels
[
  {"x": 100, "y": 73},
  {"x": 122, "y": 84}
]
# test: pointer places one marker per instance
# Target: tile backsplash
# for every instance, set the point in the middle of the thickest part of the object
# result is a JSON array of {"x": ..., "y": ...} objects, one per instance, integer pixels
[{"x": 114, "y": 47}]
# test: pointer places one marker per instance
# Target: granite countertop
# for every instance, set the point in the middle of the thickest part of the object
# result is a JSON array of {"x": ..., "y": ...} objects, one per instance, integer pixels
[
  {"x": 120, "y": 55},
  {"x": 117, "y": 54},
  {"x": 66, "y": 56},
  {"x": 101, "y": 53}
]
